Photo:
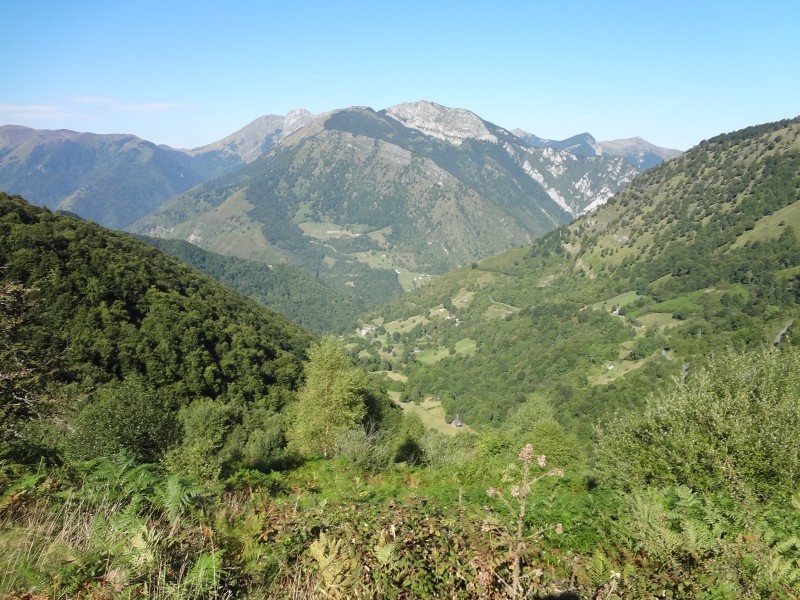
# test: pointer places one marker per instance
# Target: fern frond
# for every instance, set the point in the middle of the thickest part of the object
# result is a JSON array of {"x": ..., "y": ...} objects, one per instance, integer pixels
[
  {"x": 686, "y": 497},
  {"x": 205, "y": 574},
  {"x": 598, "y": 568},
  {"x": 177, "y": 494}
]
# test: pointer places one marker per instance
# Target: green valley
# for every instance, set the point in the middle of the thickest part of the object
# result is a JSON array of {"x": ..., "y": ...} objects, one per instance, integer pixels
[
  {"x": 618, "y": 292},
  {"x": 360, "y": 197},
  {"x": 607, "y": 412}
]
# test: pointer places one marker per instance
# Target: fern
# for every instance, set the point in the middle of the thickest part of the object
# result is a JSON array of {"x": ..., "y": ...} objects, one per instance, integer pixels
[
  {"x": 686, "y": 497},
  {"x": 205, "y": 574},
  {"x": 333, "y": 568},
  {"x": 177, "y": 494},
  {"x": 598, "y": 568},
  {"x": 784, "y": 567},
  {"x": 21, "y": 487}
]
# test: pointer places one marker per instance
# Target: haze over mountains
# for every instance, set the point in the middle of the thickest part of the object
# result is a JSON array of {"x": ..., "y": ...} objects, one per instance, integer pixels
[{"x": 118, "y": 179}]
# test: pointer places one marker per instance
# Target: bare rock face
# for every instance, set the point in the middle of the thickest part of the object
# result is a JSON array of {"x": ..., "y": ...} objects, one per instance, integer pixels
[
  {"x": 453, "y": 125},
  {"x": 294, "y": 120}
]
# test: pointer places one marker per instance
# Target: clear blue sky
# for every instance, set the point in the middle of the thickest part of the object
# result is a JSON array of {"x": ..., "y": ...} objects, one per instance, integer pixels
[{"x": 186, "y": 73}]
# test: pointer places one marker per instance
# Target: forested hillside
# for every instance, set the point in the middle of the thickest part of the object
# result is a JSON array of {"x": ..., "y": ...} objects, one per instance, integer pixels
[
  {"x": 287, "y": 289},
  {"x": 698, "y": 255},
  {"x": 110, "y": 327},
  {"x": 627, "y": 393}
]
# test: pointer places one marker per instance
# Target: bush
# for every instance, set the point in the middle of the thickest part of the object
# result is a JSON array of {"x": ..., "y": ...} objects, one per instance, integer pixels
[
  {"x": 730, "y": 427},
  {"x": 124, "y": 417}
]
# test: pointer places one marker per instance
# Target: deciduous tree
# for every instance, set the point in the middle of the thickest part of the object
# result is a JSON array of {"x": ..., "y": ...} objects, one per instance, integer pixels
[{"x": 331, "y": 401}]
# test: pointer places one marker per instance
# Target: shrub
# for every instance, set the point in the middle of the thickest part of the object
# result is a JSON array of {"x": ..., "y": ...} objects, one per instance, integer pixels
[
  {"x": 730, "y": 427},
  {"x": 123, "y": 417}
]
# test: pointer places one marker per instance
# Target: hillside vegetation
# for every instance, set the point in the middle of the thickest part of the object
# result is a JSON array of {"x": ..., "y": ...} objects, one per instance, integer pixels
[
  {"x": 289, "y": 290},
  {"x": 696, "y": 256},
  {"x": 108, "y": 325},
  {"x": 629, "y": 385}
]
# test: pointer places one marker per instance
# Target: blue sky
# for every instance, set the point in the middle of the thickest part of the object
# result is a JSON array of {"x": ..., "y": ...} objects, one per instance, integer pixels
[{"x": 189, "y": 73}]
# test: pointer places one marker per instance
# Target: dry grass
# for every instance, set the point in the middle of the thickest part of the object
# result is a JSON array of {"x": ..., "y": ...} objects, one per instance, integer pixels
[{"x": 95, "y": 549}]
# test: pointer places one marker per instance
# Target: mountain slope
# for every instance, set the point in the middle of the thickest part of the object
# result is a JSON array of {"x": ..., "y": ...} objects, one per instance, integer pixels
[
  {"x": 254, "y": 139},
  {"x": 412, "y": 190},
  {"x": 287, "y": 289},
  {"x": 698, "y": 255},
  {"x": 111, "y": 179},
  {"x": 107, "y": 307}
]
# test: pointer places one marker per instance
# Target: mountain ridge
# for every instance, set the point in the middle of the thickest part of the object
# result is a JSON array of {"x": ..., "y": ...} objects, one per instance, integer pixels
[
  {"x": 414, "y": 189},
  {"x": 71, "y": 171}
]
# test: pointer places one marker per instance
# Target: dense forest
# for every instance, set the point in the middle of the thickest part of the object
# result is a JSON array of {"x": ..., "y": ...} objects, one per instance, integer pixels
[
  {"x": 627, "y": 393},
  {"x": 287, "y": 289},
  {"x": 109, "y": 326}
]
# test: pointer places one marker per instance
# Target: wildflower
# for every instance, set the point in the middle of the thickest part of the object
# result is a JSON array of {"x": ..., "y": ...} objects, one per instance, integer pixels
[
  {"x": 526, "y": 454},
  {"x": 491, "y": 492},
  {"x": 556, "y": 473},
  {"x": 542, "y": 460},
  {"x": 559, "y": 529},
  {"x": 515, "y": 491}
]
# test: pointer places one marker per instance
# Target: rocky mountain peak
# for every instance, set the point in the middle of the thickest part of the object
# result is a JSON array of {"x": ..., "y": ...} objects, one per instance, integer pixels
[
  {"x": 294, "y": 120},
  {"x": 258, "y": 136},
  {"x": 453, "y": 125}
]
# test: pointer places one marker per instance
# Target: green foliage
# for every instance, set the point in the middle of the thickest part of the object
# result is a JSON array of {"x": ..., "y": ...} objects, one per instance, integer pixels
[
  {"x": 204, "y": 576},
  {"x": 123, "y": 417},
  {"x": 561, "y": 448},
  {"x": 23, "y": 397},
  {"x": 207, "y": 425},
  {"x": 331, "y": 401},
  {"x": 408, "y": 440},
  {"x": 724, "y": 428},
  {"x": 644, "y": 348},
  {"x": 106, "y": 308},
  {"x": 321, "y": 307}
]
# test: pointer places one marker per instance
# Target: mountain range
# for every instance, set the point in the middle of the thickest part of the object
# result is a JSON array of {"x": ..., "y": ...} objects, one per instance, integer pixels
[
  {"x": 454, "y": 186},
  {"x": 638, "y": 152},
  {"x": 414, "y": 190}
]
